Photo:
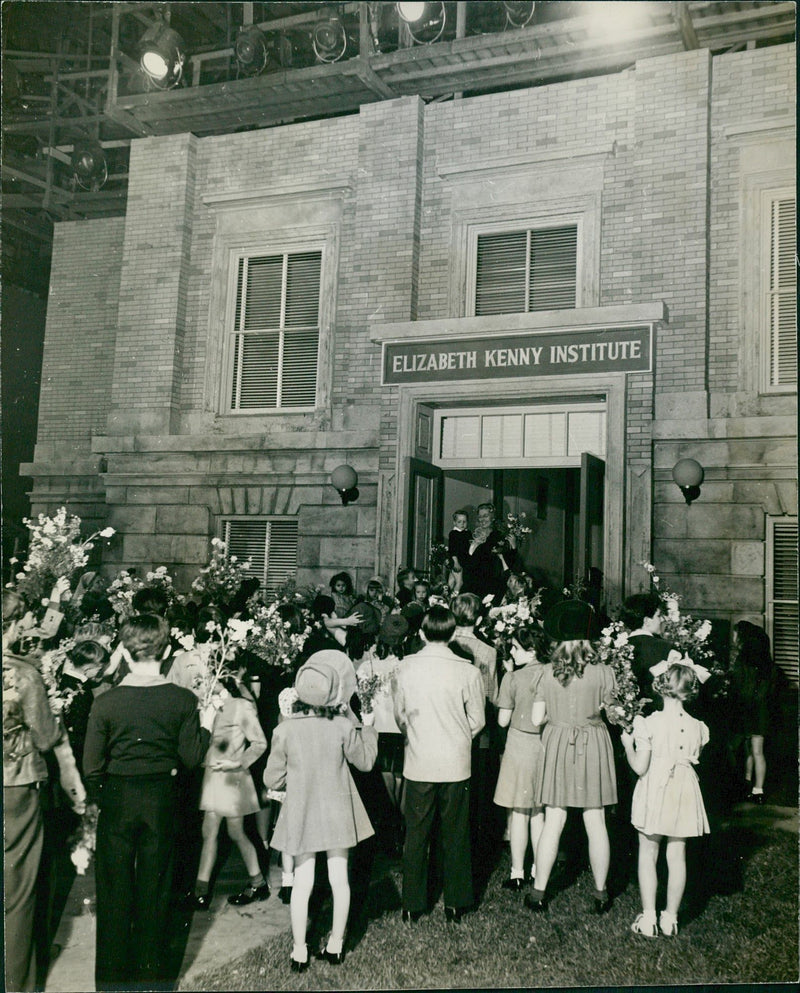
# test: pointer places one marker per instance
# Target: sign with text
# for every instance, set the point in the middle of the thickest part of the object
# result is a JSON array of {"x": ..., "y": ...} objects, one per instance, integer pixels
[{"x": 559, "y": 353}]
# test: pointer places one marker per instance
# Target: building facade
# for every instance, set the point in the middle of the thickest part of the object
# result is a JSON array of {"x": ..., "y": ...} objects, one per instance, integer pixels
[{"x": 544, "y": 298}]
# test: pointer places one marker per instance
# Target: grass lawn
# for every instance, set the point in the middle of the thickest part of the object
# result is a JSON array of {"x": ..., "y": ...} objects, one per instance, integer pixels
[{"x": 739, "y": 924}]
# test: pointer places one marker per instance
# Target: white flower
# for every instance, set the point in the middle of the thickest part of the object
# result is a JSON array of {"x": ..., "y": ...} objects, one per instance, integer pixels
[
  {"x": 703, "y": 631},
  {"x": 186, "y": 641},
  {"x": 488, "y": 599},
  {"x": 238, "y": 629},
  {"x": 621, "y": 640},
  {"x": 107, "y": 532},
  {"x": 80, "y": 859}
]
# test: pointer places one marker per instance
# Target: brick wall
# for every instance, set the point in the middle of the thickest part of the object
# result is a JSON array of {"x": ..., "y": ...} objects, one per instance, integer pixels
[{"x": 78, "y": 360}]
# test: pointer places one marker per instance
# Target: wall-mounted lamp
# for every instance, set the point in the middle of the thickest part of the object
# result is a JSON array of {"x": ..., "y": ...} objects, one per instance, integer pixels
[
  {"x": 688, "y": 475},
  {"x": 344, "y": 479},
  {"x": 161, "y": 55}
]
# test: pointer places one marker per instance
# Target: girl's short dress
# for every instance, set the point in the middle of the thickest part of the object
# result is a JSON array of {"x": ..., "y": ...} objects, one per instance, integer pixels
[
  {"x": 521, "y": 765},
  {"x": 578, "y": 764},
  {"x": 667, "y": 799},
  {"x": 237, "y": 736}
]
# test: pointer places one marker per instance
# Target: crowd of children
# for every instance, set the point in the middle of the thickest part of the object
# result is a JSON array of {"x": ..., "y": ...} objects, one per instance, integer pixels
[{"x": 374, "y": 726}]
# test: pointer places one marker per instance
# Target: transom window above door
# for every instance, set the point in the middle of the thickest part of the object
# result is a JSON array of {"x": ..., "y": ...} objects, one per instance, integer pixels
[
  {"x": 526, "y": 271},
  {"x": 552, "y": 434}
]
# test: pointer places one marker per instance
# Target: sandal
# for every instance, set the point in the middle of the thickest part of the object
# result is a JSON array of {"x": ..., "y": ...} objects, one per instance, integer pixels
[
  {"x": 668, "y": 924},
  {"x": 647, "y": 928}
]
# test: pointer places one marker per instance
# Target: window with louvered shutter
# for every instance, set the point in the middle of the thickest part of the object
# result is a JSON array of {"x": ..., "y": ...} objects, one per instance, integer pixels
[
  {"x": 276, "y": 331},
  {"x": 781, "y": 304},
  {"x": 269, "y": 543},
  {"x": 782, "y": 600},
  {"x": 525, "y": 271}
]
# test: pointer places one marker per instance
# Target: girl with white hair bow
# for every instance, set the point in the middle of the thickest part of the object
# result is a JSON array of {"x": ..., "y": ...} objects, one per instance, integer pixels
[{"x": 667, "y": 802}]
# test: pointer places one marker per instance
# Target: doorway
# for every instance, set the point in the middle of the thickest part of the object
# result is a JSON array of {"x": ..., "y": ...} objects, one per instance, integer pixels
[{"x": 563, "y": 507}]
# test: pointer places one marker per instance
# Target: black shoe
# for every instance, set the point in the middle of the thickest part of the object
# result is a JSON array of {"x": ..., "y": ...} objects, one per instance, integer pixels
[
  {"x": 513, "y": 884},
  {"x": 197, "y": 901},
  {"x": 285, "y": 894},
  {"x": 250, "y": 894},
  {"x": 601, "y": 905},
  {"x": 410, "y": 916},
  {"x": 332, "y": 958},
  {"x": 537, "y": 906},
  {"x": 298, "y": 966},
  {"x": 756, "y": 798},
  {"x": 454, "y": 914}
]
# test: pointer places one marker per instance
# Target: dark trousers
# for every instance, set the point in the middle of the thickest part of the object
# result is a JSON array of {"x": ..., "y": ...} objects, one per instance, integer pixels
[
  {"x": 133, "y": 870},
  {"x": 22, "y": 830},
  {"x": 423, "y": 800}
]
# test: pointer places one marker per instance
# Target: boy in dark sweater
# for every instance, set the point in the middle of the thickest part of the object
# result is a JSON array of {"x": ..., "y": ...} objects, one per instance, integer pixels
[{"x": 138, "y": 734}]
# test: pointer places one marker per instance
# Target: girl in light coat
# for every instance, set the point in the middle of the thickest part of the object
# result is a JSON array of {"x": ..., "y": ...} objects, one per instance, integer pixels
[{"x": 322, "y": 811}]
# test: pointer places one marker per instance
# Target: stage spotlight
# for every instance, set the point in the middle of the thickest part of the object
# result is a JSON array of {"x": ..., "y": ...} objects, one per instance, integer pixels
[
  {"x": 425, "y": 21},
  {"x": 251, "y": 51},
  {"x": 89, "y": 166},
  {"x": 161, "y": 55},
  {"x": 519, "y": 12},
  {"x": 329, "y": 39}
]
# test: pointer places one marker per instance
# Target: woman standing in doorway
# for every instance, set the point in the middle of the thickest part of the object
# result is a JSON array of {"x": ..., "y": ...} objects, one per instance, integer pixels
[{"x": 484, "y": 566}]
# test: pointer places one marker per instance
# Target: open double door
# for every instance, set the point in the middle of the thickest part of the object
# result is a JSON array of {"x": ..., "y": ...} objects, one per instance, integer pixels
[{"x": 577, "y": 506}]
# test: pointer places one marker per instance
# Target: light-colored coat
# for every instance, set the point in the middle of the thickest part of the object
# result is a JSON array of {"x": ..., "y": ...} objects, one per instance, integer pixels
[
  {"x": 308, "y": 759},
  {"x": 439, "y": 704}
]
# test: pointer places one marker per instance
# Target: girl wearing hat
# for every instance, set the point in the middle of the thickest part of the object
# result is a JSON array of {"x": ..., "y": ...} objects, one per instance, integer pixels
[
  {"x": 578, "y": 761},
  {"x": 322, "y": 811}
]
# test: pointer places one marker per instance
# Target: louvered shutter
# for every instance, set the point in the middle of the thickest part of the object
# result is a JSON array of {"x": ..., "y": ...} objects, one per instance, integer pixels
[
  {"x": 270, "y": 544},
  {"x": 553, "y": 268},
  {"x": 501, "y": 275},
  {"x": 783, "y": 293},
  {"x": 522, "y": 271},
  {"x": 782, "y": 594},
  {"x": 276, "y": 331}
]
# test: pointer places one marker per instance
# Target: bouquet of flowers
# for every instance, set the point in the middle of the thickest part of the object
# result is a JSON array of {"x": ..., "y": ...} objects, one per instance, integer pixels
[
  {"x": 614, "y": 649},
  {"x": 219, "y": 581},
  {"x": 368, "y": 687},
  {"x": 439, "y": 561},
  {"x": 84, "y": 841},
  {"x": 515, "y": 526},
  {"x": 56, "y": 550},
  {"x": 272, "y": 639},
  {"x": 501, "y": 623},
  {"x": 50, "y": 665},
  {"x": 123, "y": 588},
  {"x": 225, "y": 644},
  {"x": 120, "y": 594},
  {"x": 688, "y": 635}
]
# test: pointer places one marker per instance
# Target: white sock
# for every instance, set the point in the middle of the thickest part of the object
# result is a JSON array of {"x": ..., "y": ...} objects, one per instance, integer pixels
[
  {"x": 517, "y": 873},
  {"x": 287, "y": 879},
  {"x": 648, "y": 917},
  {"x": 758, "y": 790},
  {"x": 334, "y": 947},
  {"x": 300, "y": 953}
]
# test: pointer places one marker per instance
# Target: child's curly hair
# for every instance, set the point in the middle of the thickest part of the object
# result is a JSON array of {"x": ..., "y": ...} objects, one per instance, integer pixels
[
  {"x": 678, "y": 681},
  {"x": 570, "y": 658}
]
